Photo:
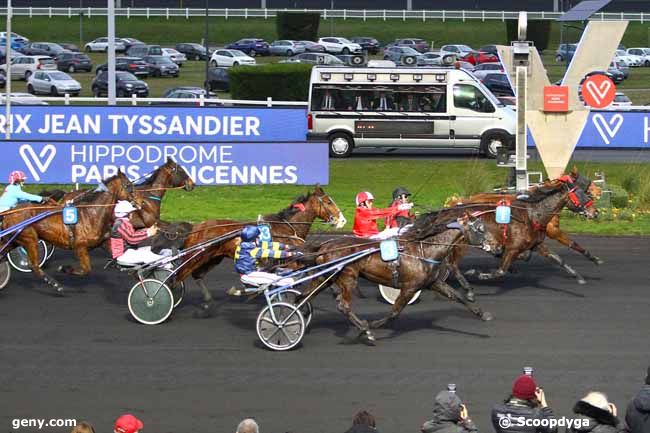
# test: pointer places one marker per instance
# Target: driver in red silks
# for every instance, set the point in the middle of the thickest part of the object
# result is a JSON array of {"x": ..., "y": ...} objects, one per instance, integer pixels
[{"x": 365, "y": 217}]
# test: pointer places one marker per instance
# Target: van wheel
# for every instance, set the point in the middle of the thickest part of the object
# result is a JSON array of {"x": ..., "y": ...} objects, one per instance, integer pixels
[
  {"x": 30, "y": 89},
  {"x": 491, "y": 142},
  {"x": 341, "y": 145},
  {"x": 213, "y": 63}
]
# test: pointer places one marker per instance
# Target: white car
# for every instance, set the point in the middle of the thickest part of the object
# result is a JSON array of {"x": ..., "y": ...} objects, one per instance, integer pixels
[
  {"x": 480, "y": 71},
  {"x": 230, "y": 58},
  {"x": 340, "y": 46},
  {"x": 23, "y": 67},
  {"x": 175, "y": 56},
  {"x": 459, "y": 50},
  {"x": 101, "y": 45},
  {"x": 53, "y": 83},
  {"x": 620, "y": 101},
  {"x": 643, "y": 53},
  {"x": 629, "y": 59},
  {"x": 18, "y": 98}
]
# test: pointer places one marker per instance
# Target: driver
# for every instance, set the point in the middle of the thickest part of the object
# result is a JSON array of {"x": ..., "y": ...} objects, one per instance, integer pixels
[
  {"x": 365, "y": 217},
  {"x": 125, "y": 239},
  {"x": 14, "y": 193},
  {"x": 403, "y": 217}
]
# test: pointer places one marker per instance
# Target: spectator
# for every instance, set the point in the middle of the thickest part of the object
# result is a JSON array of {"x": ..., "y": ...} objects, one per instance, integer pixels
[
  {"x": 248, "y": 426},
  {"x": 363, "y": 422},
  {"x": 449, "y": 415},
  {"x": 597, "y": 415},
  {"x": 526, "y": 402},
  {"x": 83, "y": 427},
  {"x": 127, "y": 423},
  {"x": 637, "y": 416}
]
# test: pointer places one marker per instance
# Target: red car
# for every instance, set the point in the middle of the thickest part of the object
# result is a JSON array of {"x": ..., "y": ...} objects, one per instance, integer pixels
[{"x": 478, "y": 57}]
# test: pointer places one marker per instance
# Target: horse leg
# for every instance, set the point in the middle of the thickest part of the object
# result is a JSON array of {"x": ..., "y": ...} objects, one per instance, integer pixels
[
  {"x": 84, "y": 262},
  {"x": 506, "y": 262},
  {"x": 398, "y": 306},
  {"x": 32, "y": 252},
  {"x": 544, "y": 251},
  {"x": 448, "y": 291},
  {"x": 469, "y": 290},
  {"x": 558, "y": 235},
  {"x": 344, "y": 305}
]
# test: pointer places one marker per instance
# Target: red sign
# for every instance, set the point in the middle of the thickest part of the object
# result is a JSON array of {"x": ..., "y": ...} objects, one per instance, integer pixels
[
  {"x": 556, "y": 99},
  {"x": 598, "y": 91}
]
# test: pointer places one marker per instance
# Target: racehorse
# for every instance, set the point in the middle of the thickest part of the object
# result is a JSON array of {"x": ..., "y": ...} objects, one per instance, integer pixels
[
  {"x": 423, "y": 247},
  {"x": 95, "y": 210},
  {"x": 290, "y": 226},
  {"x": 527, "y": 228}
]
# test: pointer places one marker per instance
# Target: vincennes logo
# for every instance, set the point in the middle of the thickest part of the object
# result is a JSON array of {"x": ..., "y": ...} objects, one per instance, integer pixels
[
  {"x": 37, "y": 163},
  {"x": 607, "y": 130}
]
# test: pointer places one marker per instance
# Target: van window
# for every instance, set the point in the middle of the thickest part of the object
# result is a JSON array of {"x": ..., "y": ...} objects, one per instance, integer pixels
[{"x": 471, "y": 98}]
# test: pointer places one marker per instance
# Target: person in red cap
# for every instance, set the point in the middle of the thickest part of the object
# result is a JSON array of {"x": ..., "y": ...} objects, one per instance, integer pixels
[
  {"x": 527, "y": 402},
  {"x": 365, "y": 217},
  {"x": 127, "y": 423}
]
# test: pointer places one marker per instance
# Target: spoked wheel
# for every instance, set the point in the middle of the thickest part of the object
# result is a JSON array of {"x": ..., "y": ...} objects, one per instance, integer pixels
[
  {"x": 289, "y": 296},
  {"x": 283, "y": 333},
  {"x": 390, "y": 294},
  {"x": 5, "y": 273},
  {"x": 150, "y": 302},
  {"x": 177, "y": 287},
  {"x": 50, "y": 250},
  {"x": 19, "y": 260}
]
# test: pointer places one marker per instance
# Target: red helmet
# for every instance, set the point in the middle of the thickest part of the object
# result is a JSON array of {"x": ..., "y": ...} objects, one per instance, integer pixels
[
  {"x": 17, "y": 176},
  {"x": 363, "y": 196}
]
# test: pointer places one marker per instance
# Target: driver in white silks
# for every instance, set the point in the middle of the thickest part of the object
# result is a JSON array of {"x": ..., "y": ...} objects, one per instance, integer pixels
[
  {"x": 249, "y": 250},
  {"x": 125, "y": 239}
]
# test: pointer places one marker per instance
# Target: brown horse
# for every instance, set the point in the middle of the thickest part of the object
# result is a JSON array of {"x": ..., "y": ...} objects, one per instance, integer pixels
[
  {"x": 290, "y": 226},
  {"x": 95, "y": 210},
  {"x": 423, "y": 248}
]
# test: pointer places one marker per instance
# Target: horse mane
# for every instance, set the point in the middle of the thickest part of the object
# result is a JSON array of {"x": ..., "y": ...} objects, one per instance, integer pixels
[
  {"x": 539, "y": 193},
  {"x": 148, "y": 180},
  {"x": 432, "y": 223},
  {"x": 290, "y": 210}
]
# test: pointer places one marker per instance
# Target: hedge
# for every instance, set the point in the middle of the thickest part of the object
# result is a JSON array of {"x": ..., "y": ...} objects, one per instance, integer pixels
[
  {"x": 280, "y": 81},
  {"x": 299, "y": 26},
  {"x": 538, "y": 31}
]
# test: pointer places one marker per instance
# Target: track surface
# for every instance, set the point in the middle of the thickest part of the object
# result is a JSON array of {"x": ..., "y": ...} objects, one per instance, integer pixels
[{"x": 83, "y": 357}]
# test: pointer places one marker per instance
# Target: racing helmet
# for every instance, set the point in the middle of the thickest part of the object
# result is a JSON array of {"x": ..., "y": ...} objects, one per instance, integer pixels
[
  {"x": 123, "y": 208},
  {"x": 363, "y": 196},
  {"x": 17, "y": 176},
  {"x": 400, "y": 190},
  {"x": 249, "y": 233}
]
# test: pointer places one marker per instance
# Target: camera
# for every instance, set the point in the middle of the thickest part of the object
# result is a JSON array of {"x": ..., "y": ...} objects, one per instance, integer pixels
[
  {"x": 528, "y": 371},
  {"x": 451, "y": 388}
]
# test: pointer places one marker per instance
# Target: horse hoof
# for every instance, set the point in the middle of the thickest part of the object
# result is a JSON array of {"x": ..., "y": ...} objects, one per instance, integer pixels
[
  {"x": 368, "y": 338},
  {"x": 59, "y": 292},
  {"x": 471, "y": 272},
  {"x": 207, "y": 311},
  {"x": 483, "y": 277},
  {"x": 598, "y": 261},
  {"x": 469, "y": 296},
  {"x": 581, "y": 281},
  {"x": 486, "y": 316}
]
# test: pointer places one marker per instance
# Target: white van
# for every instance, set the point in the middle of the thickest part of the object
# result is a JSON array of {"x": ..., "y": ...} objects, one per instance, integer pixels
[{"x": 405, "y": 108}]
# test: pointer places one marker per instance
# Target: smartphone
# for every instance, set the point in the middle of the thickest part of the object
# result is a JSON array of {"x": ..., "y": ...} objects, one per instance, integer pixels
[
  {"x": 528, "y": 371},
  {"x": 451, "y": 387}
]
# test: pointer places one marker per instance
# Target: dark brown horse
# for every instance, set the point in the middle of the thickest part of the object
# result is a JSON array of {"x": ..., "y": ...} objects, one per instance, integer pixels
[
  {"x": 95, "y": 210},
  {"x": 423, "y": 248}
]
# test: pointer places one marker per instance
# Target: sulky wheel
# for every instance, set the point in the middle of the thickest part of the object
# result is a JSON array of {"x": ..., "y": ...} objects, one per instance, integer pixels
[
  {"x": 150, "y": 302},
  {"x": 177, "y": 287},
  {"x": 390, "y": 295},
  {"x": 289, "y": 296},
  {"x": 50, "y": 250},
  {"x": 5, "y": 273},
  {"x": 283, "y": 333},
  {"x": 20, "y": 261}
]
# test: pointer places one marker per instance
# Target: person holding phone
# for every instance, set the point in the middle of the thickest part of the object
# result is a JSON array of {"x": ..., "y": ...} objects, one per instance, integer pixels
[
  {"x": 526, "y": 402},
  {"x": 450, "y": 415}
]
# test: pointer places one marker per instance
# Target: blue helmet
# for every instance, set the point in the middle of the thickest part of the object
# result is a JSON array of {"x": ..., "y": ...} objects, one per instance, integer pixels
[{"x": 249, "y": 233}]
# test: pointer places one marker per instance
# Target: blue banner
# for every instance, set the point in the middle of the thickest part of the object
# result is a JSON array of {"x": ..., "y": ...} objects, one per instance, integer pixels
[
  {"x": 155, "y": 124},
  {"x": 207, "y": 163}
]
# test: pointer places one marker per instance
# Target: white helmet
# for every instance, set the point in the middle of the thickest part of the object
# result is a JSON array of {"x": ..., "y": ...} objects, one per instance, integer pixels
[{"x": 123, "y": 208}]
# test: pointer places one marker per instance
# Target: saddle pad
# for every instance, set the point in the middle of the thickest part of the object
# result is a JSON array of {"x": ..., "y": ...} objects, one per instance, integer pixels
[
  {"x": 265, "y": 232},
  {"x": 388, "y": 249}
]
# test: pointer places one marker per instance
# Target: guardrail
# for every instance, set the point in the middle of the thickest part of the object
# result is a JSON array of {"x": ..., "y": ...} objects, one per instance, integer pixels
[
  {"x": 364, "y": 14},
  {"x": 134, "y": 100}
]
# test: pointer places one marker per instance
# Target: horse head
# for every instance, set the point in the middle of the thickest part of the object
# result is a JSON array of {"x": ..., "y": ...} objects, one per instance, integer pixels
[
  {"x": 579, "y": 200},
  {"x": 324, "y": 207},
  {"x": 120, "y": 185},
  {"x": 585, "y": 184},
  {"x": 475, "y": 233},
  {"x": 177, "y": 176}
]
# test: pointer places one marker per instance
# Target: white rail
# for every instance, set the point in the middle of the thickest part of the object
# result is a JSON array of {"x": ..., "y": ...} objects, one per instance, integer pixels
[
  {"x": 364, "y": 14},
  {"x": 134, "y": 100}
]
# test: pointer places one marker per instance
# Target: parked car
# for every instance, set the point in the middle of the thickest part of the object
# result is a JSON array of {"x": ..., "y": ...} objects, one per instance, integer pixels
[
  {"x": 126, "y": 85},
  {"x": 14, "y": 54},
  {"x": 477, "y": 57},
  {"x": 16, "y": 37},
  {"x": 565, "y": 52},
  {"x": 218, "y": 79},
  {"x": 316, "y": 59},
  {"x": 250, "y": 46},
  {"x": 491, "y": 49},
  {"x": 175, "y": 56},
  {"x": 16, "y": 44},
  {"x": 142, "y": 50},
  {"x": 101, "y": 45},
  {"x": 19, "y": 98},
  {"x": 616, "y": 75},
  {"x": 498, "y": 83},
  {"x": 73, "y": 62},
  {"x": 193, "y": 51},
  {"x": 642, "y": 53},
  {"x": 403, "y": 55},
  {"x": 621, "y": 67},
  {"x": 42, "y": 49},
  {"x": 129, "y": 42},
  {"x": 629, "y": 59},
  {"x": 312, "y": 47},
  {"x": 419, "y": 45},
  {"x": 70, "y": 47},
  {"x": 53, "y": 83},
  {"x": 369, "y": 45},
  {"x": 480, "y": 71},
  {"x": 230, "y": 58},
  {"x": 620, "y": 101},
  {"x": 438, "y": 58},
  {"x": 134, "y": 65},
  {"x": 459, "y": 50},
  {"x": 23, "y": 67},
  {"x": 3, "y": 81},
  {"x": 340, "y": 46},
  {"x": 161, "y": 66},
  {"x": 187, "y": 92},
  {"x": 286, "y": 48}
]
